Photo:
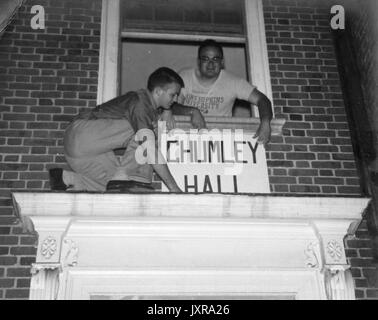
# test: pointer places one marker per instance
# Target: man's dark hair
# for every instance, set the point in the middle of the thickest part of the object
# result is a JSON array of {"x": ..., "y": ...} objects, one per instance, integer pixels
[
  {"x": 209, "y": 43},
  {"x": 162, "y": 77}
]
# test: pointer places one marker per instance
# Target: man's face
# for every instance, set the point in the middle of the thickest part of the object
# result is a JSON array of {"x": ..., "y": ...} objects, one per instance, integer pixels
[
  {"x": 210, "y": 62},
  {"x": 168, "y": 95}
]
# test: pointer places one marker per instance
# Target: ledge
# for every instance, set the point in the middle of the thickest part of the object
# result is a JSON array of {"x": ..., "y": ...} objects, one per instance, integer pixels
[
  {"x": 262, "y": 206},
  {"x": 248, "y": 124}
]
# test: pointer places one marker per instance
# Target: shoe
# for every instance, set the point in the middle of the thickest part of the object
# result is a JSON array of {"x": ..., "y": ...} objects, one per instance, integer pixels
[
  {"x": 56, "y": 179},
  {"x": 128, "y": 186}
]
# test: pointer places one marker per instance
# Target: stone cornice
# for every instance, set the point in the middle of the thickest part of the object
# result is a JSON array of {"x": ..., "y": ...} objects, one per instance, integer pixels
[
  {"x": 265, "y": 206},
  {"x": 85, "y": 239}
]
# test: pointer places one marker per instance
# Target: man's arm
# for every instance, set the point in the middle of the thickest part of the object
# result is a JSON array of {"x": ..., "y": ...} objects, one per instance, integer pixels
[
  {"x": 158, "y": 163},
  {"x": 197, "y": 119},
  {"x": 165, "y": 175},
  {"x": 266, "y": 114},
  {"x": 162, "y": 170}
]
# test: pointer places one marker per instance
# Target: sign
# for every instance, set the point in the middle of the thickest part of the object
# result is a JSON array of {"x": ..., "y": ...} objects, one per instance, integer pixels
[{"x": 215, "y": 161}]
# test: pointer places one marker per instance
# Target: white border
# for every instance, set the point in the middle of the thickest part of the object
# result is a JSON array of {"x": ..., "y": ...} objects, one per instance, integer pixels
[{"x": 257, "y": 48}]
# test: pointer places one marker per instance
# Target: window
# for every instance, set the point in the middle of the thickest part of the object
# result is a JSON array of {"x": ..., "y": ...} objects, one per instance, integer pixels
[{"x": 138, "y": 36}]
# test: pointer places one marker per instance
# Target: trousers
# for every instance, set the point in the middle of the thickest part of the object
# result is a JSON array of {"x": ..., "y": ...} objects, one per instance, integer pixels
[{"x": 88, "y": 147}]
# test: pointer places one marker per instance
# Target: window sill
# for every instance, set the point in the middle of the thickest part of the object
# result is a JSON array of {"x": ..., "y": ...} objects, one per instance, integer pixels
[{"x": 248, "y": 124}]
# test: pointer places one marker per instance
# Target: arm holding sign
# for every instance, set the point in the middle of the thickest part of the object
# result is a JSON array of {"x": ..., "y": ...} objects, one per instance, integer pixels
[{"x": 265, "y": 111}]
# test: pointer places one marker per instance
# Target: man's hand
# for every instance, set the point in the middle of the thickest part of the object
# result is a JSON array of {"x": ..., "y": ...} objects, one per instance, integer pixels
[
  {"x": 198, "y": 121},
  {"x": 263, "y": 133},
  {"x": 167, "y": 116}
]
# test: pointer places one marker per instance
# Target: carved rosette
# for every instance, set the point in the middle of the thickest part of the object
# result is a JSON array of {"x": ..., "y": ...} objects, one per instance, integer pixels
[
  {"x": 49, "y": 247},
  {"x": 334, "y": 250}
]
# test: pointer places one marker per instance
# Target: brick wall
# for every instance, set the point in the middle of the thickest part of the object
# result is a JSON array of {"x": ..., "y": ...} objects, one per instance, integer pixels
[
  {"x": 365, "y": 32},
  {"x": 47, "y": 76},
  {"x": 314, "y": 155},
  {"x": 364, "y": 27}
]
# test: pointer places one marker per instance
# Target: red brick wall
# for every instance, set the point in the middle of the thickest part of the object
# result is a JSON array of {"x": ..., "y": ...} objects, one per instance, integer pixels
[{"x": 47, "y": 76}]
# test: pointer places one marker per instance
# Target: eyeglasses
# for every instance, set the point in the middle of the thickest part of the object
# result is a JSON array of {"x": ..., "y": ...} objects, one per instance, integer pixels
[{"x": 207, "y": 59}]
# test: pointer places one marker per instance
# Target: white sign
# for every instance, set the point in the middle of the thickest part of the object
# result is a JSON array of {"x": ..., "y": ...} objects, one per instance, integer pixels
[{"x": 227, "y": 161}]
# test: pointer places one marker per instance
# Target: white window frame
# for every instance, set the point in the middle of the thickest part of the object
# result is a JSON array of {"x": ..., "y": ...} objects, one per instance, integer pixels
[{"x": 110, "y": 48}]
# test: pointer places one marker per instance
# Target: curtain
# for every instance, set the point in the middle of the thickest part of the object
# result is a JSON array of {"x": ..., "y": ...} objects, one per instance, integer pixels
[{"x": 8, "y": 8}]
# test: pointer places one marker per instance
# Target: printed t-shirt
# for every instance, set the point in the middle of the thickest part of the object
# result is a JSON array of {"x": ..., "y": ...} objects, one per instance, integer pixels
[{"x": 217, "y": 99}]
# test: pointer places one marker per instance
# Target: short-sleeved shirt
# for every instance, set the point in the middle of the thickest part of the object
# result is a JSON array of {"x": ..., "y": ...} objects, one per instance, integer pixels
[
  {"x": 219, "y": 98},
  {"x": 137, "y": 107}
]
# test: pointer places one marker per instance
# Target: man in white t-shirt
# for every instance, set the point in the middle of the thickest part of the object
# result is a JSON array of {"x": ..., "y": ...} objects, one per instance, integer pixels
[{"x": 213, "y": 90}]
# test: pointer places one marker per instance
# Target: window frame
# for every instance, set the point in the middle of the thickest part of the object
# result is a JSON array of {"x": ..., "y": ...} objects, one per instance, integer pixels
[{"x": 110, "y": 48}]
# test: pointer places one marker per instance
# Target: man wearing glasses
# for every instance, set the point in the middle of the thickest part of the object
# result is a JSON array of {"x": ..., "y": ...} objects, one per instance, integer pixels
[{"x": 213, "y": 90}]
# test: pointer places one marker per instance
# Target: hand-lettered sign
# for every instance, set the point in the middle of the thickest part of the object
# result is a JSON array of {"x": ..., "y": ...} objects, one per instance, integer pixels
[{"x": 214, "y": 161}]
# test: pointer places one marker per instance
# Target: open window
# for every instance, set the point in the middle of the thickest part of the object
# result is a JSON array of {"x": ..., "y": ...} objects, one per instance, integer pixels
[{"x": 139, "y": 36}]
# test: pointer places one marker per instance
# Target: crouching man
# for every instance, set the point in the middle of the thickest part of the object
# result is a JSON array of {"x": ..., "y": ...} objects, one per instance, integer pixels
[{"x": 123, "y": 122}]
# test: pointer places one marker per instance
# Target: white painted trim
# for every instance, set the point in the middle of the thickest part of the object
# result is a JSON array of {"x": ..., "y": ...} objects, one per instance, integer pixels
[
  {"x": 157, "y": 284},
  {"x": 132, "y": 245},
  {"x": 257, "y": 48},
  {"x": 108, "y": 77},
  {"x": 180, "y": 37},
  {"x": 58, "y": 204}
]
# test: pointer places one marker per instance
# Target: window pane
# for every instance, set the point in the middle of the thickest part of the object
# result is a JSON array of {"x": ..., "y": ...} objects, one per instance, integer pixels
[
  {"x": 210, "y": 17},
  {"x": 141, "y": 57}
]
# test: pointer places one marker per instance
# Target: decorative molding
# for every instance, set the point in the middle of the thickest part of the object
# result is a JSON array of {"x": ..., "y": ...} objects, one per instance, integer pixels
[
  {"x": 335, "y": 250},
  {"x": 45, "y": 281},
  {"x": 70, "y": 253},
  {"x": 267, "y": 206},
  {"x": 263, "y": 234},
  {"x": 48, "y": 247},
  {"x": 312, "y": 255},
  {"x": 339, "y": 283}
]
